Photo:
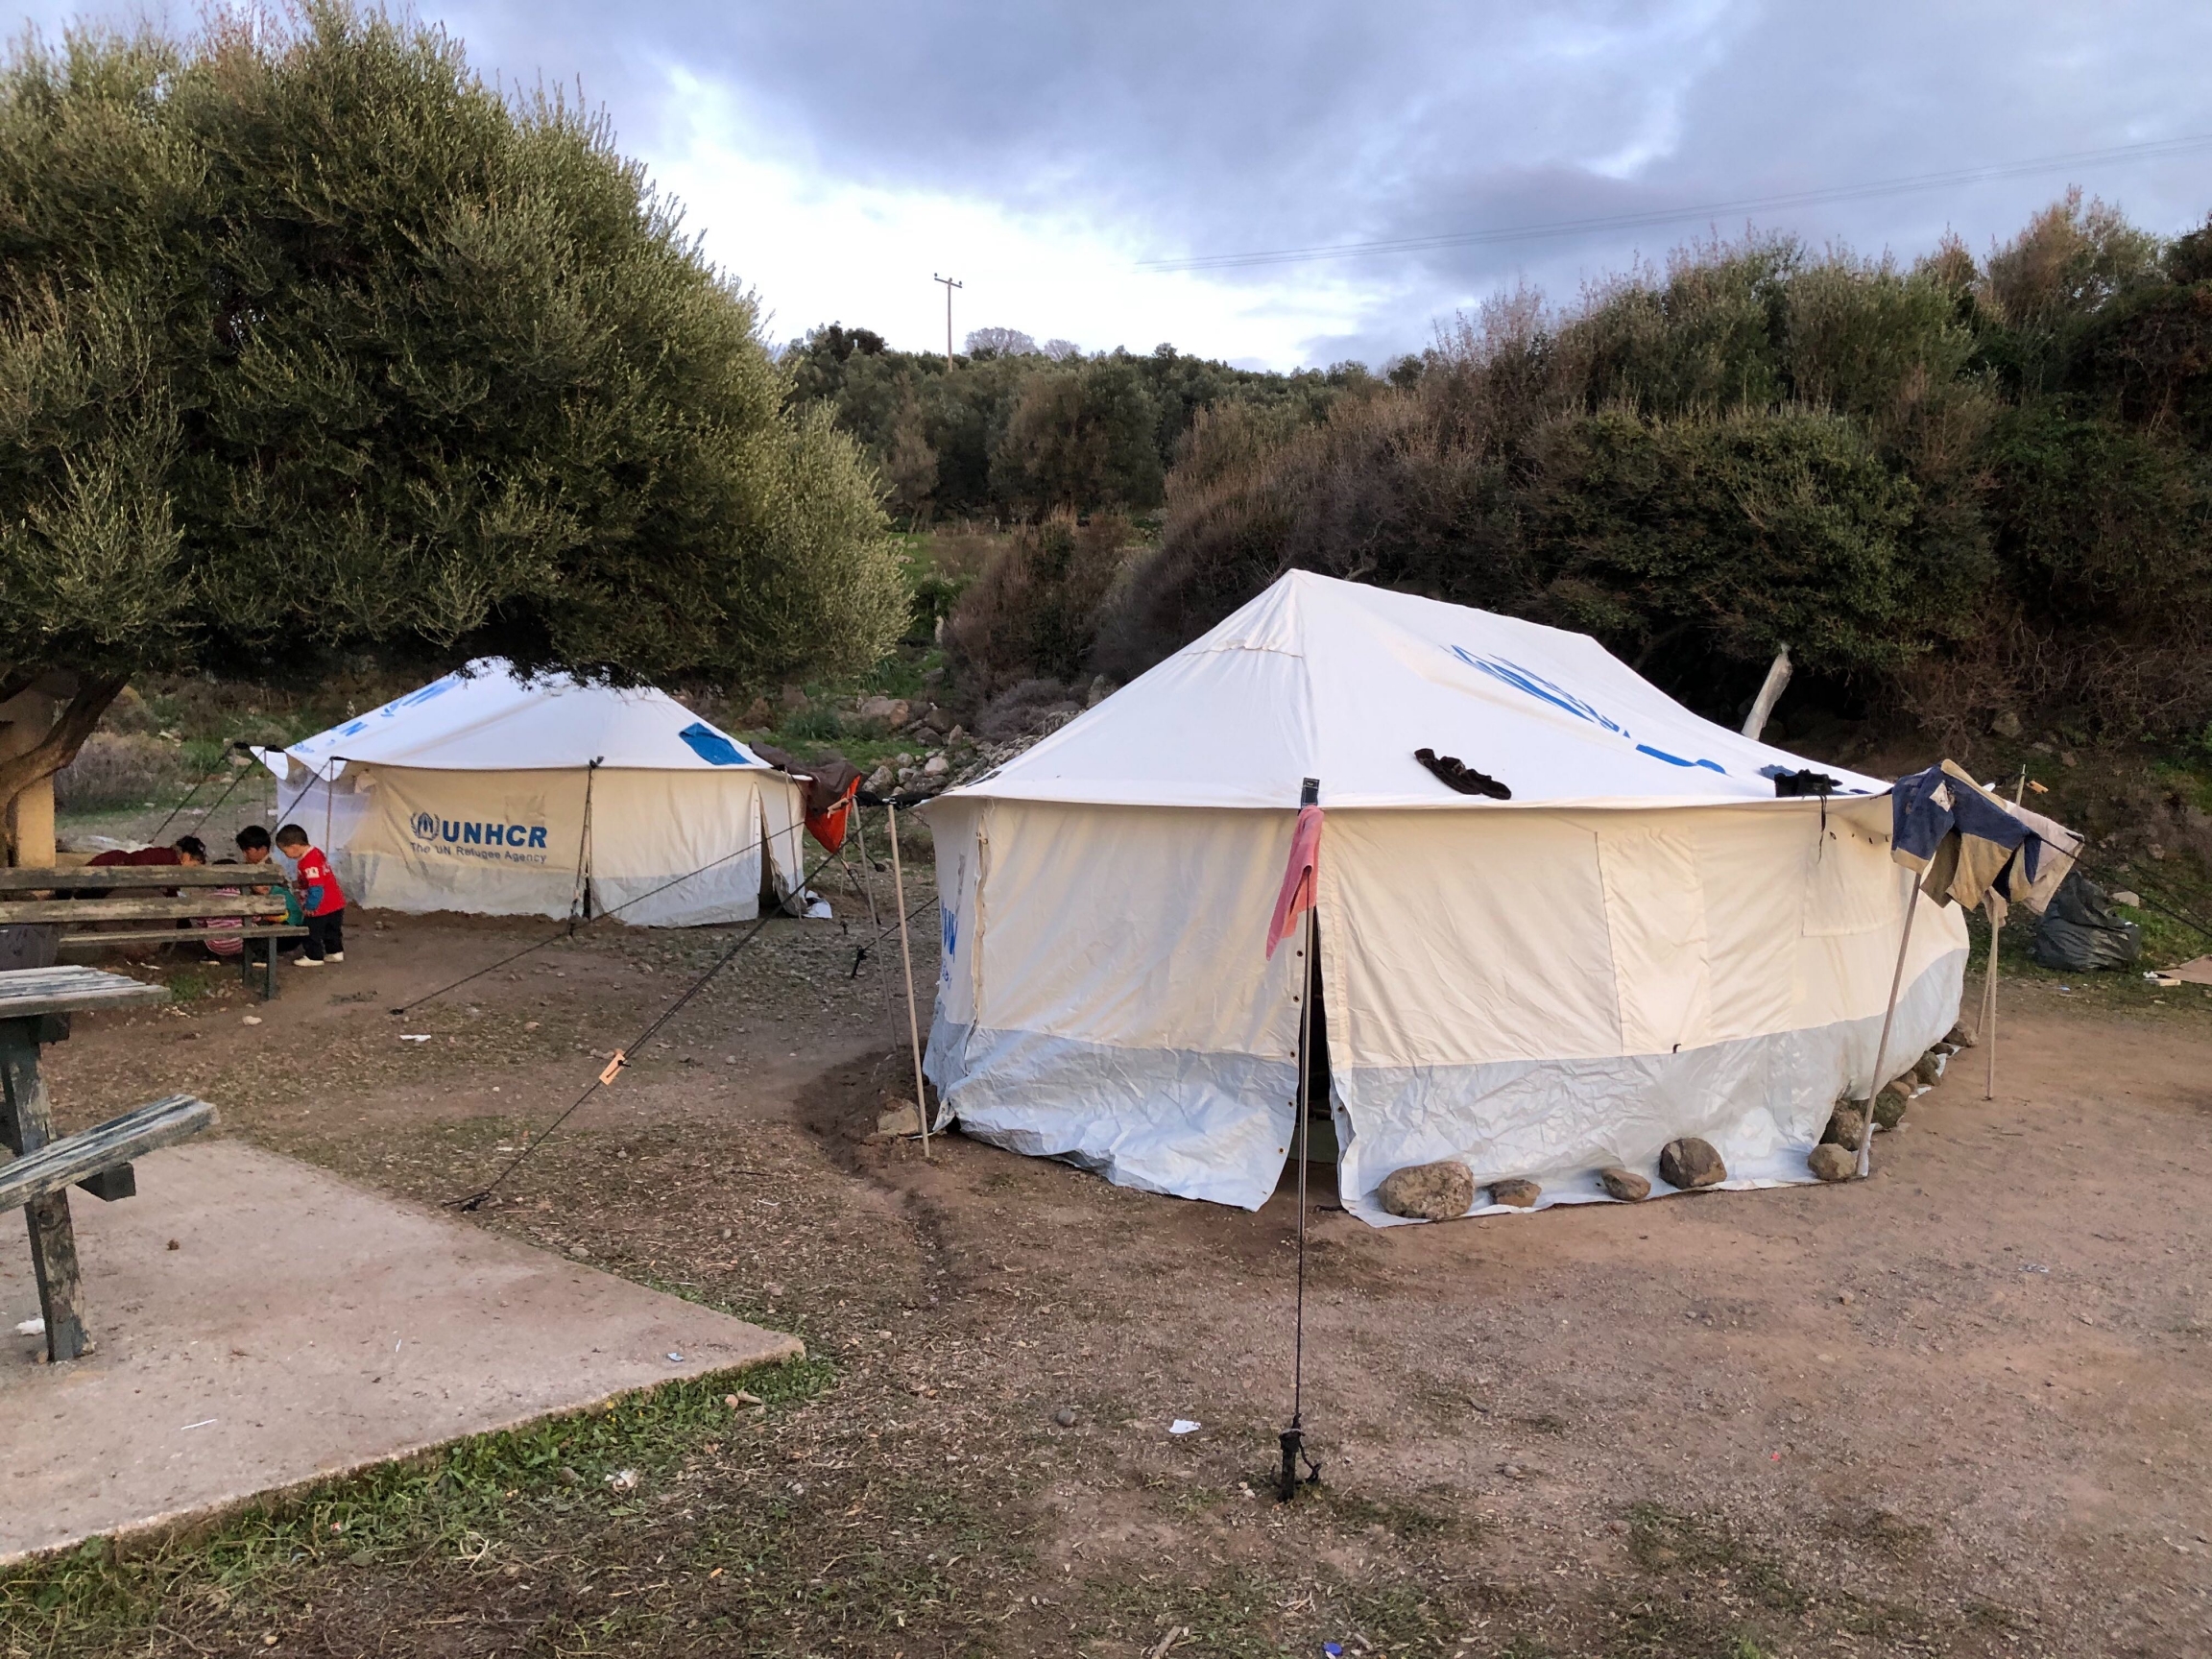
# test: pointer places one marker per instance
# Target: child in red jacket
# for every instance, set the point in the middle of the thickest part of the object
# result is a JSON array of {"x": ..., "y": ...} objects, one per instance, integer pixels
[{"x": 322, "y": 900}]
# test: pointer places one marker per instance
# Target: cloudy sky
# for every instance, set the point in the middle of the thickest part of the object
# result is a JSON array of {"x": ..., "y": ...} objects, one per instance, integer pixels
[{"x": 1062, "y": 156}]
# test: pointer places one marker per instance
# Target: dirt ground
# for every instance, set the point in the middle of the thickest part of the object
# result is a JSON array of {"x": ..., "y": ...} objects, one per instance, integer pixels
[{"x": 1960, "y": 1408}]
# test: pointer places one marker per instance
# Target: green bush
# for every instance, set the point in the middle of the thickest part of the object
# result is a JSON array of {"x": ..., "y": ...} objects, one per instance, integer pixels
[
  {"x": 1729, "y": 538},
  {"x": 1034, "y": 611},
  {"x": 1950, "y": 490}
]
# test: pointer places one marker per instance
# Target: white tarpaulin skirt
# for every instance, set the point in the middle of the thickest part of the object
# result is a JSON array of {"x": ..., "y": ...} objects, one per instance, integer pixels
[{"x": 1540, "y": 994}]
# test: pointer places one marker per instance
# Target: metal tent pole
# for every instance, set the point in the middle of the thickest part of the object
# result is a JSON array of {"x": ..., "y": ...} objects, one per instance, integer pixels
[
  {"x": 1888, "y": 1018},
  {"x": 907, "y": 956},
  {"x": 1293, "y": 1438}
]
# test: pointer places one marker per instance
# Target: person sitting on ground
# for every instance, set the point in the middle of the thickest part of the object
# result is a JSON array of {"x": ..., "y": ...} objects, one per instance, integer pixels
[
  {"x": 321, "y": 898},
  {"x": 253, "y": 845}
]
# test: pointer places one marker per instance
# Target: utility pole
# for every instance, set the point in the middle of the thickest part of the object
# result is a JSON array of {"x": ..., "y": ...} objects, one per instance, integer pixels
[{"x": 949, "y": 285}]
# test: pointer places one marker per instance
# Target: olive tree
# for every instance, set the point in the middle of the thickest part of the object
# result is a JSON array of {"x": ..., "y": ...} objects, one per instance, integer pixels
[{"x": 310, "y": 340}]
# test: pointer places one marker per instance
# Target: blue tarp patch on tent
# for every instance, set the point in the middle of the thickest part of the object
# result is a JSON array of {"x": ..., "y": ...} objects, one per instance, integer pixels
[{"x": 711, "y": 747}]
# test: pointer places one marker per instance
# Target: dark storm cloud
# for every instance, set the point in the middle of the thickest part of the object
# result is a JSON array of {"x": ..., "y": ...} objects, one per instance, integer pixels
[
  {"x": 1231, "y": 127},
  {"x": 1238, "y": 125}
]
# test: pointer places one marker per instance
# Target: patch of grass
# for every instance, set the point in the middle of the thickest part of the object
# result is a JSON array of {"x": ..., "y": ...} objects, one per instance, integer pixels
[
  {"x": 187, "y": 985},
  {"x": 1663, "y": 1541},
  {"x": 781, "y": 1565},
  {"x": 443, "y": 1502},
  {"x": 1899, "y": 1539},
  {"x": 1883, "y": 1620},
  {"x": 1353, "y": 1513},
  {"x": 1669, "y": 1629},
  {"x": 1991, "y": 1616},
  {"x": 814, "y": 725},
  {"x": 1250, "y": 1616}
]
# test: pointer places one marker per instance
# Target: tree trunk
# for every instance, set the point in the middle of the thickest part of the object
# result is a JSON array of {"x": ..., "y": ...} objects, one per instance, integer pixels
[{"x": 37, "y": 761}]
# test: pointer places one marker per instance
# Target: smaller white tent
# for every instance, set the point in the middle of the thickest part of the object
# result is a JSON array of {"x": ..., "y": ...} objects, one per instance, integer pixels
[{"x": 487, "y": 792}]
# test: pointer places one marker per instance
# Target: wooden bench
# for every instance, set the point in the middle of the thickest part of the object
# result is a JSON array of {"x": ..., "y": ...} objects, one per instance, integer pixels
[
  {"x": 142, "y": 894},
  {"x": 36, "y": 1004}
]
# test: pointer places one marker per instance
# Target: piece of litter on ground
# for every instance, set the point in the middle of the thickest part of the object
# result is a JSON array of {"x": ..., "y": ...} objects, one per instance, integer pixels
[
  {"x": 675, "y": 1358},
  {"x": 2034, "y": 1268},
  {"x": 251, "y": 1020},
  {"x": 624, "y": 1480},
  {"x": 1183, "y": 1426},
  {"x": 414, "y": 1035},
  {"x": 201, "y": 1424},
  {"x": 32, "y": 1327}
]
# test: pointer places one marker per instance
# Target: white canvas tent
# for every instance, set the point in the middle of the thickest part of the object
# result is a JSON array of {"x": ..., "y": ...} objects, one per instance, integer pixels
[
  {"x": 491, "y": 793},
  {"x": 1644, "y": 943}
]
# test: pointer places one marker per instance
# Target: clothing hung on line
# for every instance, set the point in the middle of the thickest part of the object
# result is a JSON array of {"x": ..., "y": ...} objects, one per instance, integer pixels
[{"x": 1969, "y": 846}]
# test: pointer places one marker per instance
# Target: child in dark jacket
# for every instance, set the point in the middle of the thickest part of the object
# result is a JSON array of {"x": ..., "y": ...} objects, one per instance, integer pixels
[{"x": 322, "y": 900}]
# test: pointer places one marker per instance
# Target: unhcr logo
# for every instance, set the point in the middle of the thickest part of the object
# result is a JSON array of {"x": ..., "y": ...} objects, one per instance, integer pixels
[{"x": 477, "y": 832}]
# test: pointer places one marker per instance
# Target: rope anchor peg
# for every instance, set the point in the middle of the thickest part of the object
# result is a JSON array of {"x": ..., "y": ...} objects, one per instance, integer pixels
[
  {"x": 615, "y": 1064},
  {"x": 1294, "y": 1453}
]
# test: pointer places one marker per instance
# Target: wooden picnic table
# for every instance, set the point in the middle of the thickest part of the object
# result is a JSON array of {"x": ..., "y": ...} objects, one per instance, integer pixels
[
  {"x": 36, "y": 1005},
  {"x": 87, "y": 903}
]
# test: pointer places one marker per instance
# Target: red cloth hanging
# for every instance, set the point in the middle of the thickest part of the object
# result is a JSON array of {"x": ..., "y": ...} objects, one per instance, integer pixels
[
  {"x": 830, "y": 824},
  {"x": 1299, "y": 877}
]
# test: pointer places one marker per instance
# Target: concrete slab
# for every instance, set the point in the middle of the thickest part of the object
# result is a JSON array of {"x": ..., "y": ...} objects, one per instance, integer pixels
[{"x": 300, "y": 1327}]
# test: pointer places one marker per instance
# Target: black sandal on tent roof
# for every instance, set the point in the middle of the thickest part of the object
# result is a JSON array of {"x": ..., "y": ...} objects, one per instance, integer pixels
[{"x": 1456, "y": 774}]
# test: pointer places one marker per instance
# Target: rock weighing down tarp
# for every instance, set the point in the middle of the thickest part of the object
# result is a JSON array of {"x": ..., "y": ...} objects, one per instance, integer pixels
[
  {"x": 471, "y": 794},
  {"x": 1642, "y": 943}
]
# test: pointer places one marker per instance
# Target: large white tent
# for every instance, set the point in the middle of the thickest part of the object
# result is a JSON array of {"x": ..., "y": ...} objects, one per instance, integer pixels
[
  {"x": 1644, "y": 943},
  {"x": 487, "y": 791}
]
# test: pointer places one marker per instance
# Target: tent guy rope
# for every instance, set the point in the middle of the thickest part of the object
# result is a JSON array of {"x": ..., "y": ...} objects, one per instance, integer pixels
[
  {"x": 573, "y": 927},
  {"x": 222, "y": 760},
  {"x": 624, "y": 1055}
]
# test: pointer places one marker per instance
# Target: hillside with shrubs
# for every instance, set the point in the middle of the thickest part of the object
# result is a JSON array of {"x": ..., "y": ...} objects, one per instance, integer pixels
[{"x": 1962, "y": 489}]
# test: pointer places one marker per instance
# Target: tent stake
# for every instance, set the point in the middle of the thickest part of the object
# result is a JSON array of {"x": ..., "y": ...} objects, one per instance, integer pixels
[
  {"x": 907, "y": 956},
  {"x": 1889, "y": 1015}
]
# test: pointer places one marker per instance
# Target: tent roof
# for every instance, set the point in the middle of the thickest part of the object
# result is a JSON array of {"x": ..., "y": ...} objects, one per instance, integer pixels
[
  {"x": 1338, "y": 681},
  {"x": 486, "y": 718}
]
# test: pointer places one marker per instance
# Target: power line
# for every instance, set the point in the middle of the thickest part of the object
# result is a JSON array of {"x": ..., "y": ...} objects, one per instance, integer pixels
[{"x": 2151, "y": 151}]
